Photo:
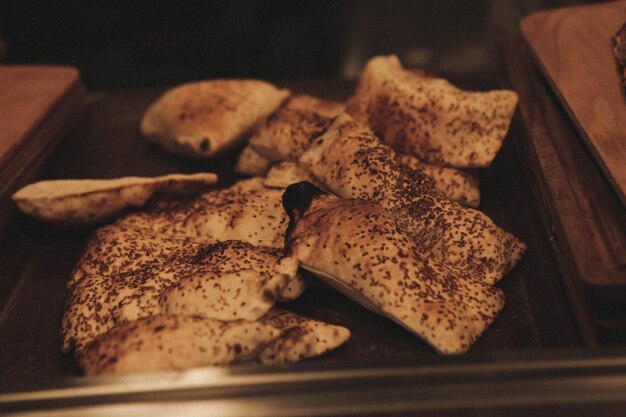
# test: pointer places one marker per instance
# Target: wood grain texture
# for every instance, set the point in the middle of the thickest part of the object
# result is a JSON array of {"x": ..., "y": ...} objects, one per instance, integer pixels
[
  {"x": 585, "y": 219},
  {"x": 573, "y": 47},
  {"x": 38, "y": 105}
]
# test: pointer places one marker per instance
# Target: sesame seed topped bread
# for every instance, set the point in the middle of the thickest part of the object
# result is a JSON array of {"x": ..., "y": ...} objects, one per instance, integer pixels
[
  {"x": 460, "y": 185},
  {"x": 357, "y": 247},
  {"x": 207, "y": 118},
  {"x": 246, "y": 211},
  {"x": 170, "y": 343},
  {"x": 353, "y": 163},
  {"x": 89, "y": 201},
  {"x": 289, "y": 131},
  {"x": 429, "y": 117},
  {"x": 250, "y": 162},
  {"x": 283, "y": 174},
  {"x": 301, "y": 337},
  {"x": 229, "y": 280}
]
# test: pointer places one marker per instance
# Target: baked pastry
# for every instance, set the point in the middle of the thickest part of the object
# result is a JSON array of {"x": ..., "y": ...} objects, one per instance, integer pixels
[
  {"x": 205, "y": 119},
  {"x": 89, "y": 201},
  {"x": 357, "y": 247},
  {"x": 301, "y": 337},
  {"x": 227, "y": 281},
  {"x": 619, "y": 50},
  {"x": 246, "y": 211},
  {"x": 430, "y": 118},
  {"x": 169, "y": 343},
  {"x": 283, "y": 174},
  {"x": 460, "y": 185},
  {"x": 250, "y": 162},
  {"x": 352, "y": 162},
  {"x": 288, "y": 132}
]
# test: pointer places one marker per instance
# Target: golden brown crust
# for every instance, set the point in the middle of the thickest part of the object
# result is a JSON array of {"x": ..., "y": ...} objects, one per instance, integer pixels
[
  {"x": 250, "y": 162},
  {"x": 246, "y": 211},
  {"x": 89, "y": 201},
  {"x": 357, "y": 247},
  {"x": 208, "y": 118},
  {"x": 167, "y": 343},
  {"x": 126, "y": 274},
  {"x": 301, "y": 337},
  {"x": 289, "y": 131},
  {"x": 283, "y": 174},
  {"x": 429, "y": 117},
  {"x": 460, "y": 185},
  {"x": 352, "y": 163}
]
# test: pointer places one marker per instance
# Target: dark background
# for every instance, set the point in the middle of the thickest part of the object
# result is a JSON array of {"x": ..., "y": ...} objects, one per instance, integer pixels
[{"x": 124, "y": 44}]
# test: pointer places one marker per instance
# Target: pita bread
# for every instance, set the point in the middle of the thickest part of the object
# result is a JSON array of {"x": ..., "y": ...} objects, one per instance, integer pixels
[
  {"x": 247, "y": 211},
  {"x": 227, "y": 281},
  {"x": 283, "y": 174},
  {"x": 171, "y": 343},
  {"x": 115, "y": 249},
  {"x": 357, "y": 247},
  {"x": 250, "y": 162},
  {"x": 205, "y": 119},
  {"x": 86, "y": 202},
  {"x": 288, "y": 132},
  {"x": 301, "y": 337},
  {"x": 430, "y": 118},
  {"x": 457, "y": 184},
  {"x": 353, "y": 163}
]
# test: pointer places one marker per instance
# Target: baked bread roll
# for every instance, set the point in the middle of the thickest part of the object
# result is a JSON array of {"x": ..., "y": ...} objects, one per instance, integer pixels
[
  {"x": 430, "y": 118},
  {"x": 460, "y": 185},
  {"x": 301, "y": 337},
  {"x": 205, "y": 119},
  {"x": 88, "y": 202},
  {"x": 171, "y": 343},
  {"x": 353, "y": 163},
  {"x": 289, "y": 131},
  {"x": 357, "y": 247}
]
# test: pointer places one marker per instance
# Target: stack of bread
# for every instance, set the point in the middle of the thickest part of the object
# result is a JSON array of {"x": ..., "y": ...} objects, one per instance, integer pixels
[{"x": 377, "y": 197}]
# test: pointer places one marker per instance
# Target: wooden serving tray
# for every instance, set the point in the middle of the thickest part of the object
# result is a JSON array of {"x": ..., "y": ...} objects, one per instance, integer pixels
[
  {"x": 573, "y": 48},
  {"x": 585, "y": 221},
  {"x": 38, "y": 104},
  {"x": 36, "y": 259}
]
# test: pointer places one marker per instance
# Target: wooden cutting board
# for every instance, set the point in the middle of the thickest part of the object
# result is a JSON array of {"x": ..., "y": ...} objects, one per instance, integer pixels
[
  {"x": 38, "y": 104},
  {"x": 573, "y": 48}
]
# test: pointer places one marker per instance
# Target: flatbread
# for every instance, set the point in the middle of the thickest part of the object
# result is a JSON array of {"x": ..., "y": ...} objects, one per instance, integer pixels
[
  {"x": 353, "y": 163},
  {"x": 207, "y": 118},
  {"x": 301, "y": 337},
  {"x": 289, "y": 131},
  {"x": 460, "y": 185},
  {"x": 250, "y": 162},
  {"x": 246, "y": 211},
  {"x": 357, "y": 247},
  {"x": 87, "y": 202},
  {"x": 172, "y": 343},
  {"x": 430, "y": 118},
  {"x": 227, "y": 281},
  {"x": 283, "y": 174}
]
